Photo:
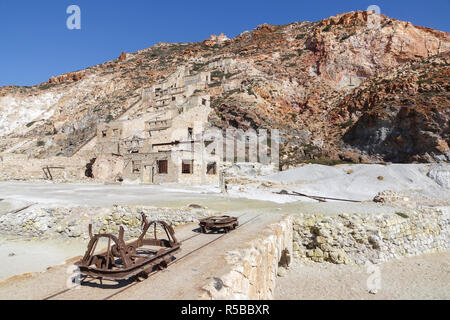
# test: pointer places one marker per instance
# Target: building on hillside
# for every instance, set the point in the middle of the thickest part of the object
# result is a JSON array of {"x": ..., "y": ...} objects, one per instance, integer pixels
[{"x": 165, "y": 144}]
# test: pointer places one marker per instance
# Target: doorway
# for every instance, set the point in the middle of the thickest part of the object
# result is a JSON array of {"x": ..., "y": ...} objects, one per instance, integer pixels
[{"x": 148, "y": 173}]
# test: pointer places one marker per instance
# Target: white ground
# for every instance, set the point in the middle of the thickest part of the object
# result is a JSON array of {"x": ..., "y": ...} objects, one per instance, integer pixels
[
  {"x": 353, "y": 182},
  {"x": 20, "y": 257},
  {"x": 99, "y": 195},
  {"x": 423, "y": 277},
  {"x": 10, "y": 205}
]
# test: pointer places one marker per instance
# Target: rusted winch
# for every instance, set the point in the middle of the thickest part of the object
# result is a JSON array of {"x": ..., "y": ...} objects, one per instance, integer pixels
[
  {"x": 136, "y": 259},
  {"x": 222, "y": 223}
]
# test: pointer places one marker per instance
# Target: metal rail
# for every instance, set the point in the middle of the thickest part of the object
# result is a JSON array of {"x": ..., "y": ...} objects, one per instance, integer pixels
[
  {"x": 174, "y": 262},
  {"x": 154, "y": 272}
]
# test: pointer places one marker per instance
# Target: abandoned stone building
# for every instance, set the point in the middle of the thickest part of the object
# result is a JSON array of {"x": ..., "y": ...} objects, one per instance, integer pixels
[{"x": 166, "y": 143}]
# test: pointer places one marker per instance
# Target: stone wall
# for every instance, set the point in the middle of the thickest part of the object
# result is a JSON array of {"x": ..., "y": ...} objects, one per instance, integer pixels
[
  {"x": 254, "y": 268},
  {"x": 361, "y": 238},
  {"x": 108, "y": 167},
  {"x": 20, "y": 167},
  {"x": 64, "y": 222}
]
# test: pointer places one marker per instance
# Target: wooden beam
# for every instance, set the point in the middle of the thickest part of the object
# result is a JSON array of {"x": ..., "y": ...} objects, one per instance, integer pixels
[{"x": 317, "y": 198}]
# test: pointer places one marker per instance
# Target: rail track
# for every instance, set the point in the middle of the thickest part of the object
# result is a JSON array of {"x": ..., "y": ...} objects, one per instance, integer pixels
[{"x": 118, "y": 291}]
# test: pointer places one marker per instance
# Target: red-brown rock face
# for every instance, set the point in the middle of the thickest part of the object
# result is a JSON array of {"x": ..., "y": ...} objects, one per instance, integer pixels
[
  {"x": 71, "y": 76},
  {"x": 123, "y": 56}
]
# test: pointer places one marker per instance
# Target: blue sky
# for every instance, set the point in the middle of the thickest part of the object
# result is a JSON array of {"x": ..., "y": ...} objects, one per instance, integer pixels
[{"x": 36, "y": 44}]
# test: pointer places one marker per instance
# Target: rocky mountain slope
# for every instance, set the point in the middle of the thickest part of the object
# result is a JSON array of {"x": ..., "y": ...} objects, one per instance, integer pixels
[
  {"x": 354, "y": 87},
  {"x": 405, "y": 114}
]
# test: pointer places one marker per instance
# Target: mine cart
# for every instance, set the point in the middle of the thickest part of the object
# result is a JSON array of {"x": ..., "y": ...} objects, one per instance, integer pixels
[
  {"x": 223, "y": 223},
  {"x": 135, "y": 259}
]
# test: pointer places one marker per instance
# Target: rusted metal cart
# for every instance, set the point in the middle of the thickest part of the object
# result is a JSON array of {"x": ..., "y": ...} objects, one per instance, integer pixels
[
  {"x": 216, "y": 224},
  {"x": 135, "y": 259}
]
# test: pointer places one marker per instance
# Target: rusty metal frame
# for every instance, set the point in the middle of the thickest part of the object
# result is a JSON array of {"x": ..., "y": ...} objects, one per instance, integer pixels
[
  {"x": 122, "y": 260},
  {"x": 219, "y": 223}
]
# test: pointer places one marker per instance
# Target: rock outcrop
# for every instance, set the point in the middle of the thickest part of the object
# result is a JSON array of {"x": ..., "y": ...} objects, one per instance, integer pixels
[
  {"x": 216, "y": 40},
  {"x": 404, "y": 116},
  {"x": 71, "y": 76},
  {"x": 123, "y": 56}
]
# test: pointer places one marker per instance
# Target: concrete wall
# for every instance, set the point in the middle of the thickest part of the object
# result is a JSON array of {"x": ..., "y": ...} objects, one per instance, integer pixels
[{"x": 254, "y": 268}]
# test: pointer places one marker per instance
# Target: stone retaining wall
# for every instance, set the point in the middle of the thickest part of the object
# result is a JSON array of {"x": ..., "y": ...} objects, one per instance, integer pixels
[
  {"x": 357, "y": 239},
  {"x": 254, "y": 268},
  {"x": 73, "y": 222},
  {"x": 20, "y": 167}
]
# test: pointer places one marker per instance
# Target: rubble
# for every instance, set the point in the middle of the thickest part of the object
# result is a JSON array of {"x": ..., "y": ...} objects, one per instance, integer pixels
[{"x": 393, "y": 197}]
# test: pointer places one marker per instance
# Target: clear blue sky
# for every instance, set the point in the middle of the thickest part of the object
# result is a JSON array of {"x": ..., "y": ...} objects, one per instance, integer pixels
[{"x": 36, "y": 44}]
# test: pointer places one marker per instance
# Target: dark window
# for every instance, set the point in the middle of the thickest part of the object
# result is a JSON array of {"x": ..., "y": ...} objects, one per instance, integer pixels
[
  {"x": 204, "y": 102},
  {"x": 104, "y": 133},
  {"x": 190, "y": 133},
  {"x": 173, "y": 98},
  {"x": 162, "y": 166},
  {"x": 136, "y": 166},
  {"x": 211, "y": 168},
  {"x": 187, "y": 167}
]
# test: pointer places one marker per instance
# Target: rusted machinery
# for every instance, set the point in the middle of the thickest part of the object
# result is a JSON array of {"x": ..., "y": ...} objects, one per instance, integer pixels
[
  {"x": 135, "y": 259},
  {"x": 222, "y": 223}
]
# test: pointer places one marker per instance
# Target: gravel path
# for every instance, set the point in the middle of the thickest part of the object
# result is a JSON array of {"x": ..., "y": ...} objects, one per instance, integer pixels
[{"x": 423, "y": 277}]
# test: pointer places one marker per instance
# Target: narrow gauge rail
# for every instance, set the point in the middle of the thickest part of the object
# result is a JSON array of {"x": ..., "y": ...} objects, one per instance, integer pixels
[{"x": 126, "y": 287}]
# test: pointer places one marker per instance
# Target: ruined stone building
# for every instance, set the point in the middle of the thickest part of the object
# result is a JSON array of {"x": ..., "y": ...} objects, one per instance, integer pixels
[{"x": 165, "y": 143}]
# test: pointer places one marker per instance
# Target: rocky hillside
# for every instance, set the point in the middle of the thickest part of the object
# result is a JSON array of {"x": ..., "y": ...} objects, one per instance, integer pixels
[
  {"x": 341, "y": 89},
  {"x": 405, "y": 113}
]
